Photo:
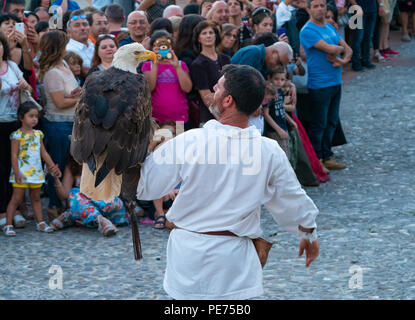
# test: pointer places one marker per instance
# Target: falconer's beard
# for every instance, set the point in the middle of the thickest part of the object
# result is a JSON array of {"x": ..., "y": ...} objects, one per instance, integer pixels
[{"x": 215, "y": 107}]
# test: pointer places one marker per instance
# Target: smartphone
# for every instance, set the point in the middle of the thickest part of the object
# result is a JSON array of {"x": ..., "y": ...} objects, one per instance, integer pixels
[
  {"x": 20, "y": 27},
  {"x": 281, "y": 31}
]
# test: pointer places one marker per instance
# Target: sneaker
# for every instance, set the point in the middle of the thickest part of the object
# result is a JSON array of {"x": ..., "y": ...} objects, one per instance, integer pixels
[
  {"x": 379, "y": 57},
  {"x": 333, "y": 165},
  {"x": 390, "y": 51},
  {"x": 406, "y": 38}
]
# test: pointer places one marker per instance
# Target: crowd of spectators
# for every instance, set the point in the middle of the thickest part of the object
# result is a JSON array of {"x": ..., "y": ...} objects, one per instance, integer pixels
[{"x": 299, "y": 46}]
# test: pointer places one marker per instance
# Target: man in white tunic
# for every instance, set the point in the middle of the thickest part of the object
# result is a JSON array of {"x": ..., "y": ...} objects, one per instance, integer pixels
[{"x": 227, "y": 170}]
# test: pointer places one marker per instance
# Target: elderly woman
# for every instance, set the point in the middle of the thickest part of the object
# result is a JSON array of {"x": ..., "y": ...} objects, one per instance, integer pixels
[
  {"x": 105, "y": 47},
  {"x": 61, "y": 93},
  {"x": 207, "y": 67},
  {"x": 11, "y": 81}
]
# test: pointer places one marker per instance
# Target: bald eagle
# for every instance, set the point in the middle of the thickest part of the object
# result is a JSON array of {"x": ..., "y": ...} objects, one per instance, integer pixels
[{"x": 112, "y": 127}]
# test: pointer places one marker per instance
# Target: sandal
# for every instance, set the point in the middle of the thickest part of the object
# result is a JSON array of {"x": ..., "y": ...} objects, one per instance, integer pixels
[
  {"x": 8, "y": 231},
  {"x": 56, "y": 224},
  {"x": 160, "y": 220},
  {"x": 19, "y": 221},
  {"x": 45, "y": 228},
  {"x": 106, "y": 227},
  {"x": 61, "y": 222}
]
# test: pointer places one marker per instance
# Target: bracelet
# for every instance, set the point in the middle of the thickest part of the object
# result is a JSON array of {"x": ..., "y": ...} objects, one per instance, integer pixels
[{"x": 27, "y": 51}]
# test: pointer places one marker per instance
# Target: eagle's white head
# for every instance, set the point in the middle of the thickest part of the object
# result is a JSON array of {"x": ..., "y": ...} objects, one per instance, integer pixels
[{"x": 128, "y": 57}]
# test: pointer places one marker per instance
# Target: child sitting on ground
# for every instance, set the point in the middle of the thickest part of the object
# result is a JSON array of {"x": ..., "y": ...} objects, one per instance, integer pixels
[{"x": 27, "y": 150}]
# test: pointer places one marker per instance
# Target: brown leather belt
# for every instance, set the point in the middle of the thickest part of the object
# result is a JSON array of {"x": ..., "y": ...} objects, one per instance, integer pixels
[
  {"x": 212, "y": 233},
  {"x": 262, "y": 246}
]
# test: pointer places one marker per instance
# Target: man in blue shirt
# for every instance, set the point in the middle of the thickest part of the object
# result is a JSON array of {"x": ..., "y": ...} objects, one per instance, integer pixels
[{"x": 326, "y": 52}]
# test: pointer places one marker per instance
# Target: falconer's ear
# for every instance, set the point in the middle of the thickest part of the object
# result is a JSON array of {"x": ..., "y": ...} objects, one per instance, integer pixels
[{"x": 228, "y": 101}]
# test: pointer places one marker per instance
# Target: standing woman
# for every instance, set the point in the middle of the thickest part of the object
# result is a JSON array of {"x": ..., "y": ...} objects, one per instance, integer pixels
[
  {"x": 61, "y": 93},
  {"x": 105, "y": 47},
  {"x": 261, "y": 21},
  {"x": 185, "y": 52},
  {"x": 206, "y": 69},
  {"x": 184, "y": 45},
  {"x": 229, "y": 40},
  {"x": 11, "y": 80}
]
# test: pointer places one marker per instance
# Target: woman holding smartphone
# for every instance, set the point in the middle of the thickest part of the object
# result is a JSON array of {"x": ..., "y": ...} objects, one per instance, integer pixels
[{"x": 61, "y": 93}]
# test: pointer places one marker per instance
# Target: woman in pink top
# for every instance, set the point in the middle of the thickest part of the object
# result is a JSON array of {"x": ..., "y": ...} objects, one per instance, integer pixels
[{"x": 169, "y": 81}]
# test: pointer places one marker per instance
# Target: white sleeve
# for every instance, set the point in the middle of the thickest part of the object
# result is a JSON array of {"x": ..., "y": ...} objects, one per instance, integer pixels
[
  {"x": 289, "y": 204},
  {"x": 53, "y": 81},
  {"x": 160, "y": 173},
  {"x": 283, "y": 15},
  {"x": 16, "y": 69}
]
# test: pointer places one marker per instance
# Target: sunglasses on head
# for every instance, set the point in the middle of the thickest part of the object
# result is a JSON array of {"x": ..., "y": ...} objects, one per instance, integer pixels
[
  {"x": 106, "y": 35},
  {"x": 82, "y": 16},
  {"x": 261, "y": 10}
]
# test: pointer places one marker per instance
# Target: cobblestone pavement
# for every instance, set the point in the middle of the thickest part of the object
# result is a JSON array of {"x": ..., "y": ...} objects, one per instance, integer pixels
[{"x": 366, "y": 223}]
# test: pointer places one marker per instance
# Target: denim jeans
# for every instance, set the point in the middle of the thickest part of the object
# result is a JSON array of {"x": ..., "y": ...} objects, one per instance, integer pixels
[
  {"x": 362, "y": 40},
  {"x": 325, "y": 106},
  {"x": 57, "y": 144}
]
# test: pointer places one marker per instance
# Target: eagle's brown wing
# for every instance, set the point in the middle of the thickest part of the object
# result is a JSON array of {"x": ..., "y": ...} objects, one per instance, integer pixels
[{"x": 112, "y": 118}]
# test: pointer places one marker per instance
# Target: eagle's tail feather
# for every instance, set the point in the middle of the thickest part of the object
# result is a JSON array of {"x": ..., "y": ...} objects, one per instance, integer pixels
[
  {"x": 101, "y": 175},
  {"x": 92, "y": 165}
]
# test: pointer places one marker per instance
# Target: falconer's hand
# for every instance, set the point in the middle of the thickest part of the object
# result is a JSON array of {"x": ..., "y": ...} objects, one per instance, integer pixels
[{"x": 312, "y": 250}]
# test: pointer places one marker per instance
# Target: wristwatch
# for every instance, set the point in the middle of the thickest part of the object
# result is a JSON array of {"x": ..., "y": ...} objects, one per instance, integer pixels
[{"x": 380, "y": 4}]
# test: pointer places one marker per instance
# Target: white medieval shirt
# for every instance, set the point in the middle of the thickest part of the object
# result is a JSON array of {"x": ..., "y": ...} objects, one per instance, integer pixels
[{"x": 226, "y": 174}]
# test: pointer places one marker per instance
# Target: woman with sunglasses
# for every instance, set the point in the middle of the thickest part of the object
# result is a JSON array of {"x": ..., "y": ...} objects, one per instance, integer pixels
[
  {"x": 105, "y": 47},
  {"x": 261, "y": 21},
  {"x": 229, "y": 40}
]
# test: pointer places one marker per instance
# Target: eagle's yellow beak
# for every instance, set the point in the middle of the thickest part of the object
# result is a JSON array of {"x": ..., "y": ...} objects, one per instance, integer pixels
[{"x": 147, "y": 55}]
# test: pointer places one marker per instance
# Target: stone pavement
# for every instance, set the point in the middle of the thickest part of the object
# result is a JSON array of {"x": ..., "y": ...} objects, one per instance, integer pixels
[{"x": 366, "y": 223}]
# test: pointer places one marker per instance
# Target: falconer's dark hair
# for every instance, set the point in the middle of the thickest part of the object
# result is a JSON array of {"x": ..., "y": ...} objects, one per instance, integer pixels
[{"x": 245, "y": 85}]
